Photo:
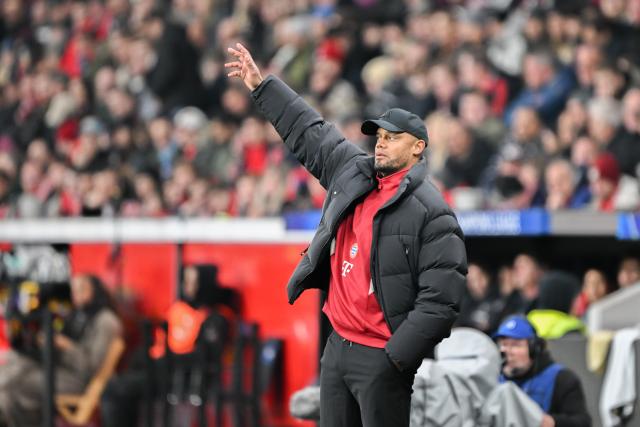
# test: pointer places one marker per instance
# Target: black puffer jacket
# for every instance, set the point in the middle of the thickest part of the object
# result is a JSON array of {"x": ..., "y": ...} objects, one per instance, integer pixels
[{"x": 418, "y": 257}]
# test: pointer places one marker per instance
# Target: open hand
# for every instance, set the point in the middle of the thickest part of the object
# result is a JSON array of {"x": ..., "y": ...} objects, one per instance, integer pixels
[{"x": 244, "y": 67}]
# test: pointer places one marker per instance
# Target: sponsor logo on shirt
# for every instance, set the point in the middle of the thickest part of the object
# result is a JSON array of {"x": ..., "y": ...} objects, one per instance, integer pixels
[{"x": 346, "y": 268}]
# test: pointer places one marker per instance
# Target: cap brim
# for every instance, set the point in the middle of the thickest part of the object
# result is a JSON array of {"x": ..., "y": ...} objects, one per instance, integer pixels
[{"x": 370, "y": 127}]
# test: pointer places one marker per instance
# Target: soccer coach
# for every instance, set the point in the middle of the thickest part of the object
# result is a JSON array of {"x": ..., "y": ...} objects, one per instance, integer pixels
[{"x": 388, "y": 251}]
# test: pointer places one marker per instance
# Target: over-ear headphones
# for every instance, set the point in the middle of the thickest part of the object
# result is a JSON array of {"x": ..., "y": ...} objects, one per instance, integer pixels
[{"x": 536, "y": 347}]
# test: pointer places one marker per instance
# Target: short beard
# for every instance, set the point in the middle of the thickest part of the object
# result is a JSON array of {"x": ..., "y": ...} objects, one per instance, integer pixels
[{"x": 384, "y": 170}]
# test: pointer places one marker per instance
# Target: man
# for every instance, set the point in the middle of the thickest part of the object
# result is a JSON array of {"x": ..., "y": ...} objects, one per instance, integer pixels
[
  {"x": 556, "y": 389},
  {"x": 388, "y": 250}
]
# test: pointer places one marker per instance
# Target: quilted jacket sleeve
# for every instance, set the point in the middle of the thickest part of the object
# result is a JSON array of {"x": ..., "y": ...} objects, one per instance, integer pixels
[{"x": 317, "y": 144}]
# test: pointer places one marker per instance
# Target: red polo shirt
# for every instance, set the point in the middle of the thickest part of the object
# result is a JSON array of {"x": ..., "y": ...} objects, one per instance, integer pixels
[{"x": 351, "y": 305}]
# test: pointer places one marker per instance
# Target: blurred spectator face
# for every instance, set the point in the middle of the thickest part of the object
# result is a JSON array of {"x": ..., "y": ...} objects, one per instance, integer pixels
[
  {"x": 631, "y": 110},
  {"x": 120, "y": 104},
  {"x": 160, "y": 132},
  {"x": 144, "y": 186},
  {"x": 443, "y": 83},
  {"x": 604, "y": 117},
  {"x": 442, "y": 29},
  {"x": 79, "y": 92},
  {"x": 607, "y": 83},
  {"x": 218, "y": 200},
  {"x": 104, "y": 81},
  {"x": 235, "y": 101},
  {"x": 172, "y": 195},
  {"x": 555, "y": 26},
  {"x": 38, "y": 152},
  {"x": 477, "y": 281},
  {"x": 119, "y": 47},
  {"x": 183, "y": 175},
  {"x": 584, "y": 152},
  {"x": 325, "y": 72},
  {"x": 122, "y": 137},
  {"x": 106, "y": 184},
  {"x": 189, "y": 124},
  {"x": 613, "y": 9},
  {"x": 474, "y": 109},
  {"x": 153, "y": 28},
  {"x": 81, "y": 291},
  {"x": 516, "y": 355},
  {"x": 460, "y": 140},
  {"x": 559, "y": 179},
  {"x": 526, "y": 271},
  {"x": 7, "y": 164},
  {"x": 140, "y": 57},
  {"x": 470, "y": 30},
  {"x": 190, "y": 283},
  {"x": 534, "y": 28},
  {"x": 12, "y": 12},
  {"x": 526, "y": 125},
  {"x": 594, "y": 285},
  {"x": 537, "y": 71},
  {"x": 629, "y": 272},
  {"x": 30, "y": 177},
  {"x": 588, "y": 58},
  {"x": 572, "y": 27}
]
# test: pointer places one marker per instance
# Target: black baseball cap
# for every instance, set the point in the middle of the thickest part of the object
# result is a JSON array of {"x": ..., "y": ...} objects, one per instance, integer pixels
[{"x": 397, "y": 120}]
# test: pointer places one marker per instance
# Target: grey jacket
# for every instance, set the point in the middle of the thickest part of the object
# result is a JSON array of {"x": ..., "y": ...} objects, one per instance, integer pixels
[{"x": 418, "y": 257}]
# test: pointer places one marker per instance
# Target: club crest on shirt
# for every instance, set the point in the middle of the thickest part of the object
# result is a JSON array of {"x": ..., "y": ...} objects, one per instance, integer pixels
[{"x": 354, "y": 250}]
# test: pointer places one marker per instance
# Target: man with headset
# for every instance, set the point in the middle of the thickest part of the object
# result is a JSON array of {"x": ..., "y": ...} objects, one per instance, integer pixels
[{"x": 527, "y": 363}]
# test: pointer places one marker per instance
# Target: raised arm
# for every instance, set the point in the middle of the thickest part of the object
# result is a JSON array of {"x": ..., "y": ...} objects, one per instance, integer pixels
[{"x": 317, "y": 144}]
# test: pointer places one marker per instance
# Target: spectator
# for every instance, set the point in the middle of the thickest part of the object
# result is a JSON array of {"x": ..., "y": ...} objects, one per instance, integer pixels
[
  {"x": 562, "y": 187},
  {"x": 468, "y": 157},
  {"x": 475, "y": 114},
  {"x": 629, "y": 271},
  {"x": 546, "y": 88},
  {"x": 550, "y": 316},
  {"x": 173, "y": 75},
  {"x": 527, "y": 273},
  {"x": 480, "y": 306},
  {"x": 88, "y": 331},
  {"x": 595, "y": 286},
  {"x": 627, "y": 149},
  {"x": 610, "y": 190},
  {"x": 527, "y": 363},
  {"x": 474, "y": 74},
  {"x": 587, "y": 59},
  {"x": 605, "y": 116}
]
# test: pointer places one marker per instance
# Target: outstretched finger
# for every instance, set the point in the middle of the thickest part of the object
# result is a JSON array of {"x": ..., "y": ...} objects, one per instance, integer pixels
[
  {"x": 242, "y": 49},
  {"x": 233, "y": 64},
  {"x": 234, "y": 74},
  {"x": 234, "y": 52}
]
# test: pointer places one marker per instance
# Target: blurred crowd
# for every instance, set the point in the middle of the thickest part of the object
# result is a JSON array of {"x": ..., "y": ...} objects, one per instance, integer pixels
[
  {"x": 123, "y": 108},
  {"x": 555, "y": 301}
]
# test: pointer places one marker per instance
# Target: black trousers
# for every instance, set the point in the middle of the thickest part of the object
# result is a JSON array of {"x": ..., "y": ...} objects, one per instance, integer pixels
[{"x": 360, "y": 386}]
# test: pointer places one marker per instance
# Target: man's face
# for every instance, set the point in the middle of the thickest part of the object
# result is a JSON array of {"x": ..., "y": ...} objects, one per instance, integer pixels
[
  {"x": 516, "y": 356},
  {"x": 395, "y": 151}
]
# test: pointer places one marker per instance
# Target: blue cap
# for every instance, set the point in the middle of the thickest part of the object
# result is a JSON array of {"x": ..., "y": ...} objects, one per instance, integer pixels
[{"x": 517, "y": 327}]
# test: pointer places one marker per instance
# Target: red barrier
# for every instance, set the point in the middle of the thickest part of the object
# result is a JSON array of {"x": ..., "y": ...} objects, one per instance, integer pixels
[{"x": 258, "y": 271}]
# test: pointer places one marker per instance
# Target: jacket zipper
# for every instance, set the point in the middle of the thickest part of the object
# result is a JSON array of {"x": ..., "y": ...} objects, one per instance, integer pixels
[{"x": 375, "y": 273}]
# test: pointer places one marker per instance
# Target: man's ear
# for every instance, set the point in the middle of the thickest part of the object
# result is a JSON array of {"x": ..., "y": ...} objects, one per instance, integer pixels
[{"x": 419, "y": 147}]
